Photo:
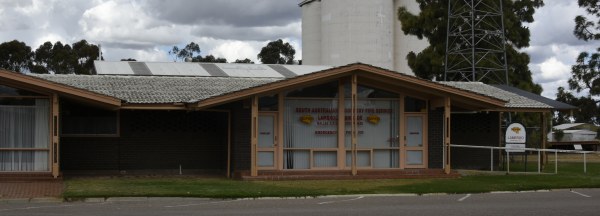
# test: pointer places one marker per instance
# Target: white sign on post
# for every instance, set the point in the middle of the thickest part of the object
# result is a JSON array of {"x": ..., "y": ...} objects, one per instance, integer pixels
[{"x": 515, "y": 138}]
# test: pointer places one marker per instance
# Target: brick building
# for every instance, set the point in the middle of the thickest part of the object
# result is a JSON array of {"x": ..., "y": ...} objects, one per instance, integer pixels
[{"x": 249, "y": 121}]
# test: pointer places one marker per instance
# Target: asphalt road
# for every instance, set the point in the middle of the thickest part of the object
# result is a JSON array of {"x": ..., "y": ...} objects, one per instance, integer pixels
[{"x": 557, "y": 202}]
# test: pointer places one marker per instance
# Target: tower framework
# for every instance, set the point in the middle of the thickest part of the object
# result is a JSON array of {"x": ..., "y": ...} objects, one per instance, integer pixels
[{"x": 475, "y": 42}]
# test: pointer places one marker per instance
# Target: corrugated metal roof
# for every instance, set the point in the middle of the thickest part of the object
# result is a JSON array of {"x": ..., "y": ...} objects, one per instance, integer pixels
[
  {"x": 566, "y": 126},
  {"x": 203, "y": 69}
]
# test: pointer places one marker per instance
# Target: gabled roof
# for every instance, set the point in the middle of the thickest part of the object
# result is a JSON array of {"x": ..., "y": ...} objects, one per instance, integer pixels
[
  {"x": 363, "y": 70},
  {"x": 204, "y": 91}
]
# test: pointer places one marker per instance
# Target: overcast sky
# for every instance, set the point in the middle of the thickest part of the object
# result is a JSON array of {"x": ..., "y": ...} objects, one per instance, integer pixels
[{"x": 237, "y": 29}]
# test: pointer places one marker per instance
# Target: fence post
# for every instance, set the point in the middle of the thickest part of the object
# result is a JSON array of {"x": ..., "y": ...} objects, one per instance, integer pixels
[
  {"x": 555, "y": 161},
  {"x": 491, "y": 159},
  {"x": 584, "y": 163},
  {"x": 507, "y": 162},
  {"x": 539, "y": 163}
]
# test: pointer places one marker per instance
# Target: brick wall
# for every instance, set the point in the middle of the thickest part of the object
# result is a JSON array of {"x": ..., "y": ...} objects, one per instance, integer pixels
[
  {"x": 436, "y": 138},
  {"x": 153, "y": 140},
  {"x": 240, "y": 132},
  {"x": 481, "y": 129}
]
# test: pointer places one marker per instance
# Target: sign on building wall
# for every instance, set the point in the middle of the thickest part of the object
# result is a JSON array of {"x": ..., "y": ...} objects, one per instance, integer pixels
[{"x": 515, "y": 137}]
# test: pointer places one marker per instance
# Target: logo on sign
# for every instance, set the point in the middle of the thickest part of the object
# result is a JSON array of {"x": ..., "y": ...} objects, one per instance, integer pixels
[
  {"x": 306, "y": 119},
  {"x": 516, "y": 129},
  {"x": 373, "y": 119}
]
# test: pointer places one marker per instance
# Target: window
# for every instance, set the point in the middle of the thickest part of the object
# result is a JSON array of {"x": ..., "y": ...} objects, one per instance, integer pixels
[
  {"x": 310, "y": 133},
  {"x": 414, "y": 105},
  {"x": 81, "y": 120},
  {"x": 24, "y": 133}
]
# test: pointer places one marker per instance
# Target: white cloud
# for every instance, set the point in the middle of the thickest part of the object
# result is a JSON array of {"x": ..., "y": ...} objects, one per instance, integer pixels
[
  {"x": 552, "y": 70},
  {"x": 125, "y": 23},
  {"x": 232, "y": 50}
]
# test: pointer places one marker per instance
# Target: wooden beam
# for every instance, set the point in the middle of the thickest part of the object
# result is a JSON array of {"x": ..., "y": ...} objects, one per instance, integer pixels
[
  {"x": 447, "y": 130},
  {"x": 254, "y": 136},
  {"x": 402, "y": 132},
  {"x": 45, "y": 85},
  {"x": 55, "y": 144},
  {"x": 354, "y": 118},
  {"x": 341, "y": 126},
  {"x": 279, "y": 147}
]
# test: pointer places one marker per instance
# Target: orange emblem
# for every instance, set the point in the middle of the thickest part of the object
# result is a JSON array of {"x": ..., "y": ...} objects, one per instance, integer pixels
[
  {"x": 306, "y": 119},
  {"x": 516, "y": 129},
  {"x": 373, "y": 119}
]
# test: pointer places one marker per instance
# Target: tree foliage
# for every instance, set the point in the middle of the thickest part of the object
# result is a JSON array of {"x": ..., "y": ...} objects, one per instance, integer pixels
[
  {"x": 185, "y": 52},
  {"x": 585, "y": 74},
  {"x": 431, "y": 23},
  {"x": 15, "y": 56},
  {"x": 244, "y": 61},
  {"x": 277, "y": 52},
  {"x": 58, "y": 58},
  {"x": 191, "y": 52},
  {"x": 588, "y": 109},
  {"x": 209, "y": 58}
]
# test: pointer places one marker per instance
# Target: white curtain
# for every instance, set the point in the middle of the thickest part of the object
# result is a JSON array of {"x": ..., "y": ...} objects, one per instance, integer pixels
[
  {"x": 317, "y": 131},
  {"x": 24, "y": 127},
  {"x": 378, "y": 123}
]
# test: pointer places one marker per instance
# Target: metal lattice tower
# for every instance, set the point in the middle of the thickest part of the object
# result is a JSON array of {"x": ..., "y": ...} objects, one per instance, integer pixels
[{"x": 475, "y": 42}]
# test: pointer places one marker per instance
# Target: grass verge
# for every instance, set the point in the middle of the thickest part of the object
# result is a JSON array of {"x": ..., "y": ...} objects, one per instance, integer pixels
[{"x": 570, "y": 176}]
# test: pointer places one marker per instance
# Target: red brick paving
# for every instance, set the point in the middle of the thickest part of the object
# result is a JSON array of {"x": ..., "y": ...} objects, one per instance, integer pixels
[{"x": 31, "y": 189}]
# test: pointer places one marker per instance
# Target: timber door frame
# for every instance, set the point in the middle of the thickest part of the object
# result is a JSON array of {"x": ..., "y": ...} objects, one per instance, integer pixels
[
  {"x": 424, "y": 147},
  {"x": 275, "y": 147}
]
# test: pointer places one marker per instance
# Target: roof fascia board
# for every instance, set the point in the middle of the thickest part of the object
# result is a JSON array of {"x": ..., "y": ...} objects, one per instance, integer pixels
[
  {"x": 24, "y": 80},
  {"x": 440, "y": 87},
  {"x": 517, "y": 109}
]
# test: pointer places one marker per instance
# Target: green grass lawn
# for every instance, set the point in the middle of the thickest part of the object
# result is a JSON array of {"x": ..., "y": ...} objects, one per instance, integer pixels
[{"x": 570, "y": 176}]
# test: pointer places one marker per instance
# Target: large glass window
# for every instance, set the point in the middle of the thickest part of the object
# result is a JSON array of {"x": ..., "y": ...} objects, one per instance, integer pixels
[
  {"x": 378, "y": 132},
  {"x": 310, "y": 131},
  {"x": 310, "y": 127},
  {"x": 24, "y": 134}
]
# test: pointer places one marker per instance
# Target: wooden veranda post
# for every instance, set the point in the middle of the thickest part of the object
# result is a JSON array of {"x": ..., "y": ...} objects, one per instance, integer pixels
[
  {"x": 55, "y": 148},
  {"x": 447, "y": 134},
  {"x": 254, "y": 136},
  {"x": 354, "y": 123}
]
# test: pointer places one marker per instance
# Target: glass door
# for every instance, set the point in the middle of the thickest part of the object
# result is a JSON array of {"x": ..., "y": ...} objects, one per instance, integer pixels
[
  {"x": 415, "y": 147},
  {"x": 267, "y": 140}
]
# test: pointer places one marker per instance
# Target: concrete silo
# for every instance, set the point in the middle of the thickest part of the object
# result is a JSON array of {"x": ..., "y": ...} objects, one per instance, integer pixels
[{"x": 339, "y": 32}]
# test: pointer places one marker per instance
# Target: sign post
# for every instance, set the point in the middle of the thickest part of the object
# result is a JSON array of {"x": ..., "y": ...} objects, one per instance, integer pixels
[{"x": 515, "y": 139}]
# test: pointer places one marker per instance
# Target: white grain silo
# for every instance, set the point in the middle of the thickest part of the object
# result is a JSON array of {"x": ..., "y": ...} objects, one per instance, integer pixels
[{"x": 339, "y": 32}]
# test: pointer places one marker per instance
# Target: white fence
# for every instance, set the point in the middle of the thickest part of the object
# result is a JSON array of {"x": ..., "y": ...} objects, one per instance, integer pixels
[{"x": 539, "y": 151}]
